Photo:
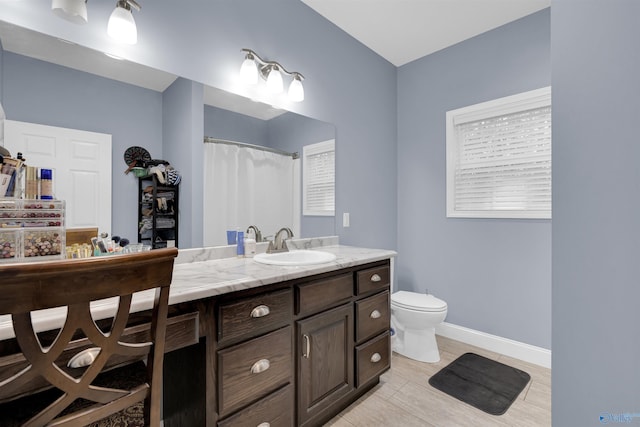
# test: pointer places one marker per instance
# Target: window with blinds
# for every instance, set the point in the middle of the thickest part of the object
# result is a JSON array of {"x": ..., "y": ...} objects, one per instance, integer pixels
[
  {"x": 319, "y": 179},
  {"x": 499, "y": 158}
]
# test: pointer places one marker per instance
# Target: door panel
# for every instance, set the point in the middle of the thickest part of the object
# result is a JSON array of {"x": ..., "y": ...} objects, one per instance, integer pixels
[
  {"x": 81, "y": 164},
  {"x": 325, "y": 354}
]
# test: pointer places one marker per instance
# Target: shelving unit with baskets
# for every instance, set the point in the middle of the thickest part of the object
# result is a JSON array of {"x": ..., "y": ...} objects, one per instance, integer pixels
[{"x": 157, "y": 213}]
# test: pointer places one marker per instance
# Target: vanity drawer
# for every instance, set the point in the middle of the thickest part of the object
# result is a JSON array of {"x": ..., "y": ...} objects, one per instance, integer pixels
[
  {"x": 373, "y": 279},
  {"x": 253, "y": 369},
  {"x": 373, "y": 358},
  {"x": 275, "y": 410},
  {"x": 372, "y": 316},
  {"x": 252, "y": 316},
  {"x": 323, "y": 293}
]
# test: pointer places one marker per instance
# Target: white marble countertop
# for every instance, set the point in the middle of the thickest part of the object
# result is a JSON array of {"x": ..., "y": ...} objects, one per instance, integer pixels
[{"x": 203, "y": 273}]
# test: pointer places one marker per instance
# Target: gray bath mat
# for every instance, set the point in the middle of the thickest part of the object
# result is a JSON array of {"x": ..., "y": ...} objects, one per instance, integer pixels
[{"x": 480, "y": 382}]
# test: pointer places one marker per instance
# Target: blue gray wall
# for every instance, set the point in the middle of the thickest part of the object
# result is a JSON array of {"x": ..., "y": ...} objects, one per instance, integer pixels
[
  {"x": 494, "y": 274},
  {"x": 41, "y": 92},
  {"x": 182, "y": 130},
  {"x": 596, "y": 201},
  {"x": 224, "y": 124}
]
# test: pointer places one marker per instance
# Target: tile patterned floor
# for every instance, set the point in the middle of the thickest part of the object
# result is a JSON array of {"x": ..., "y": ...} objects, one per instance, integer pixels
[{"x": 405, "y": 398}]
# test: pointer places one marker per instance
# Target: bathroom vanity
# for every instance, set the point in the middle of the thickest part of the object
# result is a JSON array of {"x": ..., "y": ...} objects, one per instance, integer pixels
[{"x": 255, "y": 344}]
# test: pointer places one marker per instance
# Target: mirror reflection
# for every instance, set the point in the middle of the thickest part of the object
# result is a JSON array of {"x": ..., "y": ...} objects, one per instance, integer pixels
[
  {"x": 48, "y": 81},
  {"x": 253, "y": 173}
]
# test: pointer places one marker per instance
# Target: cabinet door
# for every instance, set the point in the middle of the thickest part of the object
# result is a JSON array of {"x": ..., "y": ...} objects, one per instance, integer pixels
[{"x": 325, "y": 355}]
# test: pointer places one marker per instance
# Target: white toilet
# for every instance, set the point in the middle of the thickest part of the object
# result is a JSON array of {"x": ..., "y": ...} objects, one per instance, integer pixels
[{"x": 414, "y": 317}]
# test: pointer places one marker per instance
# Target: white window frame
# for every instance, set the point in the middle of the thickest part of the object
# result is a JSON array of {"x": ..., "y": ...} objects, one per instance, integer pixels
[
  {"x": 506, "y": 106},
  {"x": 328, "y": 181}
]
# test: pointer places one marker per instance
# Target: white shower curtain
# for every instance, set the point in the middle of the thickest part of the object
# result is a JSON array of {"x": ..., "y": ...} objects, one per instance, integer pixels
[{"x": 246, "y": 186}]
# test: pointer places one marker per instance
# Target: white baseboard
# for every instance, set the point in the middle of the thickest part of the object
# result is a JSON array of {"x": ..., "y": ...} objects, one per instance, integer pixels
[{"x": 529, "y": 353}]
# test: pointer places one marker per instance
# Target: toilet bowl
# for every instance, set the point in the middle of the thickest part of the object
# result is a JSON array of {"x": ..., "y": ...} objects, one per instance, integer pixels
[{"x": 414, "y": 317}]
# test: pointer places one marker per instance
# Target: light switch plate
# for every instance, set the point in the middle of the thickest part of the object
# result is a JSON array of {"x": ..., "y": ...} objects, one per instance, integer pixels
[{"x": 345, "y": 219}]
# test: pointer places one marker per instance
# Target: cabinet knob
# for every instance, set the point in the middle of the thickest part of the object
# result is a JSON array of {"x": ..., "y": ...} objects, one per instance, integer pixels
[
  {"x": 376, "y": 278},
  {"x": 375, "y": 358},
  {"x": 375, "y": 314},
  {"x": 260, "y": 311},
  {"x": 260, "y": 366},
  {"x": 264, "y": 424}
]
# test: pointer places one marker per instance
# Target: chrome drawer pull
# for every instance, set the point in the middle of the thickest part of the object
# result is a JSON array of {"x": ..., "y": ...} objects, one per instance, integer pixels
[
  {"x": 260, "y": 366},
  {"x": 376, "y": 278},
  {"x": 264, "y": 424},
  {"x": 307, "y": 342},
  {"x": 260, "y": 311},
  {"x": 376, "y": 358},
  {"x": 375, "y": 314}
]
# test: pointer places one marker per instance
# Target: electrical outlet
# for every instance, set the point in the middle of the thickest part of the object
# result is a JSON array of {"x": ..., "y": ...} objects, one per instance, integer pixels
[{"x": 345, "y": 219}]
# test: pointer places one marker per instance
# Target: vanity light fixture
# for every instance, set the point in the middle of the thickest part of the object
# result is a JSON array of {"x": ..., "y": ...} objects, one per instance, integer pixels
[
  {"x": 271, "y": 72},
  {"x": 249, "y": 70},
  {"x": 122, "y": 26},
  {"x": 72, "y": 10}
]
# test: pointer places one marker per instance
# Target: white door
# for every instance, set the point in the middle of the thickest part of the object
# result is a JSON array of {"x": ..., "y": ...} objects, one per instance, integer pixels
[{"x": 81, "y": 164}]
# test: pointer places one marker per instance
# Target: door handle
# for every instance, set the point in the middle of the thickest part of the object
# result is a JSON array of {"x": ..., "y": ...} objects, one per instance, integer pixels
[{"x": 307, "y": 343}]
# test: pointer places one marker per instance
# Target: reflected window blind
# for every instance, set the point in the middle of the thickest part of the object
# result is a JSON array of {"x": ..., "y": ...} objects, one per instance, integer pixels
[
  {"x": 502, "y": 166},
  {"x": 318, "y": 169}
]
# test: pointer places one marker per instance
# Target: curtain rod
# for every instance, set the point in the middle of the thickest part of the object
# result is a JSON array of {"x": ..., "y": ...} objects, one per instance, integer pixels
[{"x": 210, "y": 140}]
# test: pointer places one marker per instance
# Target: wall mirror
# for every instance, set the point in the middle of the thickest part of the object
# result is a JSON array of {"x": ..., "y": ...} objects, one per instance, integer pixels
[{"x": 48, "y": 81}]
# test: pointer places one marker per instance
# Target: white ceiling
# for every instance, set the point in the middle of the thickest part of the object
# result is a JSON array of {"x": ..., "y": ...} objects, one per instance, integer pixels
[{"x": 404, "y": 30}]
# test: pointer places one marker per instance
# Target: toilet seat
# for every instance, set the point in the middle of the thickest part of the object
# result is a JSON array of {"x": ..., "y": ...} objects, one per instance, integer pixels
[{"x": 417, "y": 302}]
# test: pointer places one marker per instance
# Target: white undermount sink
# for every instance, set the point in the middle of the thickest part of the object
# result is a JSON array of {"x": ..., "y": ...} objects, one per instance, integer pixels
[{"x": 293, "y": 258}]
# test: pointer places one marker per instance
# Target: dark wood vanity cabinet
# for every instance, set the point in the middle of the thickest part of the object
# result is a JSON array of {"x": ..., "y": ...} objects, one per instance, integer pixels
[
  {"x": 294, "y": 353},
  {"x": 342, "y": 339}
]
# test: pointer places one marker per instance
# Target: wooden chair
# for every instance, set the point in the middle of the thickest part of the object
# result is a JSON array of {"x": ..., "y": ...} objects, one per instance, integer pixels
[{"x": 25, "y": 288}]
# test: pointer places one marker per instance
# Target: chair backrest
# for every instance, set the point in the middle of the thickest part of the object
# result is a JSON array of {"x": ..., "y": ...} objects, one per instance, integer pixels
[{"x": 74, "y": 284}]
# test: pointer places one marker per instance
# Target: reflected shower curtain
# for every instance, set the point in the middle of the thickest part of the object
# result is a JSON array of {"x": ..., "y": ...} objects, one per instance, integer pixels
[{"x": 246, "y": 186}]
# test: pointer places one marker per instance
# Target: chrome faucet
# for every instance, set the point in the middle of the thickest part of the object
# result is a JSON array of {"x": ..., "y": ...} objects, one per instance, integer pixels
[
  {"x": 256, "y": 232},
  {"x": 279, "y": 244}
]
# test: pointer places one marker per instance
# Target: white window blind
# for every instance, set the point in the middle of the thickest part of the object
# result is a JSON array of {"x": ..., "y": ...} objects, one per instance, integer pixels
[
  {"x": 499, "y": 158},
  {"x": 318, "y": 171}
]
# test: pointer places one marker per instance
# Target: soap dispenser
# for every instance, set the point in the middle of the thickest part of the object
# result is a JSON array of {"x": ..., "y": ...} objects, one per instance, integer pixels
[{"x": 250, "y": 244}]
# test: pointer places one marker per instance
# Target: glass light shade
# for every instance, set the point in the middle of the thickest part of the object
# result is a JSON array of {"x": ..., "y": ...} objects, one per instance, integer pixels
[
  {"x": 122, "y": 26},
  {"x": 72, "y": 10},
  {"x": 296, "y": 91},
  {"x": 274, "y": 81},
  {"x": 249, "y": 71}
]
